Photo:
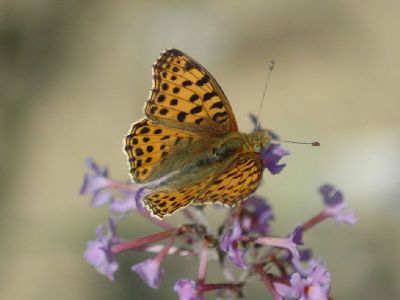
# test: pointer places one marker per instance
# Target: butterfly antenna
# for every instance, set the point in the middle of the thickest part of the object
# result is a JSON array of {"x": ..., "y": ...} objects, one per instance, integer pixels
[
  {"x": 270, "y": 68},
  {"x": 315, "y": 144}
]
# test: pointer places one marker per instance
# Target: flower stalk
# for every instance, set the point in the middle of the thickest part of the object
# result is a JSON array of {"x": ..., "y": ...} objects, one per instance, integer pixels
[{"x": 140, "y": 242}]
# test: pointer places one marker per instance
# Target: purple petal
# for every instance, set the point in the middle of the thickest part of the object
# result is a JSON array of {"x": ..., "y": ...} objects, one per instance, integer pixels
[
  {"x": 332, "y": 197},
  {"x": 271, "y": 157},
  {"x": 297, "y": 283},
  {"x": 319, "y": 273},
  {"x": 314, "y": 284},
  {"x": 232, "y": 235},
  {"x": 139, "y": 195},
  {"x": 186, "y": 289},
  {"x": 254, "y": 120},
  {"x": 297, "y": 235},
  {"x": 91, "y": 164},
  {"x": 236, "y": 231},
  {"x": 304, "y": 287},
  {"x": 256, "y": 215},
  {"x": 236, "y": 255},
  {"x": 93, "y": 183},
  {"x": 225, "y": 242},
  {"x": 284, "y": 290},
  {"x": 125, "y": 205},
  {"x": 230, "y": 243},
  {"x": 96, "y": 256},
  {"x": 335, "y": 205},
  {"x": 346, "y": 217},
  {"x": 317, "y": 293},
  {"x": 150, "y": 271},
  {"x": 326, "y": 189},
  {"x": 98, "y": 252},
  {"x": 99, "y": 185},
  {"x": 305, "y": 254},
  {"x": 101, "y": 198}
]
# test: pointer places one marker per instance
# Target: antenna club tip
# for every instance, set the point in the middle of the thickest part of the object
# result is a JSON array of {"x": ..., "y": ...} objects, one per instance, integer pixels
[
  {"x": 316, "y": 144},
  {"x": 271, "y": 64}
]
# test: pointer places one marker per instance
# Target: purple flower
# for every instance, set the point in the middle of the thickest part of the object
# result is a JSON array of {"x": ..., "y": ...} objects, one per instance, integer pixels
[
  {"x": 96, "y": 183},
  {"x": 256, "y": 215},
  {"x": 254, "y": 120},
  {"x": 335, "y": 206},
  {"x": 319, "y": 273},
  {"x": 273, "y": 152},
  {"x": 230, "y": 243},
  {"x": 100, "y": 185},
  {"x": 132, "y": 202},
  {"x": 290, "y": 243},
  {"x": 305, "y": 254},
  {"x": 150, "y": 271},
  {"x": 271, "y": 157},
  {"x": 296, "y": 236},
  {"x": 98, "y": 252},
  {"x": 186, "y": 289},
  {"x": 314, "y": 285}
]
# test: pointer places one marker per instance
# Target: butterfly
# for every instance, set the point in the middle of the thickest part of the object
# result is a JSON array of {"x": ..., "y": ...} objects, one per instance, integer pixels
[{"x": 189, "y": 141}]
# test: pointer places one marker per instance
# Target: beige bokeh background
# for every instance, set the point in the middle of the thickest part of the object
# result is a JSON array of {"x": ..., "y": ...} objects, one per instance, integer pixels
[{"x": 75, "y": 75}]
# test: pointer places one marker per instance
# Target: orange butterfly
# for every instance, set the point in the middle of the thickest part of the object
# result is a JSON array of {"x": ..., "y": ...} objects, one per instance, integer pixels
[{"x": 189, "y": 138}]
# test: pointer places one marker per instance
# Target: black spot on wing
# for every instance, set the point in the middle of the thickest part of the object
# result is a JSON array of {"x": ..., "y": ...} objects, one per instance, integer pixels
[
  {"x": 139, "y": 152},
  {"x": 218, "y": 104},
  {"x": 176, "y": 90},
  {"x": 160, "y": 98},
  {"x": 194, "y": 97},
  {"x": 181, "y": 116},
  {"x": 144, "y": 130},
  {"x": 187, "y": 83},
  {"x": 203, "y": 80},
  {"x": 163, "y": 111},
  {"x": 196, "y": 109},
  {"x": 209, "y": 95},
  {"x": 199, "y": 120},
  {"x": 164, "y": 86}
]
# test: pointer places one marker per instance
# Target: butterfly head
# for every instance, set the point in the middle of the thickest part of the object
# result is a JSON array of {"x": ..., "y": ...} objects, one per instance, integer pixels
[{"x": 258, "y": 140}]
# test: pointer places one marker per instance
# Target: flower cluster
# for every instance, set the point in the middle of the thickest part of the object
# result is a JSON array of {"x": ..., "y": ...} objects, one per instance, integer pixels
[{"x": 244, "y": 241}]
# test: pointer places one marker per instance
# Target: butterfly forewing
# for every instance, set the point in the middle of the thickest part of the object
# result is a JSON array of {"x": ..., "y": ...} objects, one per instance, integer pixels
[{"x": 186, "y": 96}]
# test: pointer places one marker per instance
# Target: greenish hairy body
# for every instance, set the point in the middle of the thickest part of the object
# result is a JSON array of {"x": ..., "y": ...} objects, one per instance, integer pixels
[{"x": 191, "y": 162}]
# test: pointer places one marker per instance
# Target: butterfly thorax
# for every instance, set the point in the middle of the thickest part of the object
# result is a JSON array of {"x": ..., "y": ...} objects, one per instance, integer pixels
[
  {"x": 233, "y": 144},
  {"x": 219, "y": 155}
]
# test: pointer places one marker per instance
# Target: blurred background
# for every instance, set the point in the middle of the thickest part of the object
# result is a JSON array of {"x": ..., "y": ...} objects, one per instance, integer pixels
[{"x": 74, "y": 75}]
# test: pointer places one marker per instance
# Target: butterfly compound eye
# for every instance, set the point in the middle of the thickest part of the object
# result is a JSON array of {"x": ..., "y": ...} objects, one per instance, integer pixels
[{"x": 257, "y": 148}]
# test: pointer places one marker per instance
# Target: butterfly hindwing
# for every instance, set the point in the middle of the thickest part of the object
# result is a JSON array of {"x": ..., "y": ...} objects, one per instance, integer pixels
[
  {"x": 166, "y": 202},
  {"x": 230, "y": 187},
  {"x": 235, "y": 184},
  {"x": 186, "y": 96}
]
